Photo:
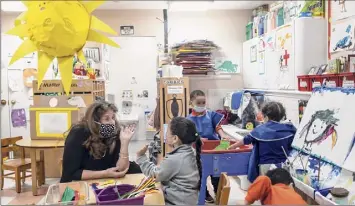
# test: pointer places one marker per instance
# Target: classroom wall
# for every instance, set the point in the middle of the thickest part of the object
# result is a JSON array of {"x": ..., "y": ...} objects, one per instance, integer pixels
[{"x": 225, "y": 27}]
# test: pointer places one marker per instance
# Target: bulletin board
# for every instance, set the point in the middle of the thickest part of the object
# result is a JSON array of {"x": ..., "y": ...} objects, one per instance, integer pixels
[{"x": 52, "y": 123}]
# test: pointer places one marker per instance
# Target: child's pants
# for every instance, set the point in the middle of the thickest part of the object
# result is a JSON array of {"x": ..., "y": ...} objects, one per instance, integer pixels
[{"x": 214, "y": 181}]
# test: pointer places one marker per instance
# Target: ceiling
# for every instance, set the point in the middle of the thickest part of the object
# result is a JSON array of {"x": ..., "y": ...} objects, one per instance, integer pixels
[{"x": 17, "y": 6}]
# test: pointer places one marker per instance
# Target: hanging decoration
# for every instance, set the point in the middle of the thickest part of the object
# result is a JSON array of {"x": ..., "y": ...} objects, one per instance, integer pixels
[{"x": 58, "y": 29}]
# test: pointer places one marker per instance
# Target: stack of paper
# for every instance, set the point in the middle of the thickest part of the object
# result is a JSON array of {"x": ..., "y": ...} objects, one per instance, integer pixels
[{"x": 195, "y": 56}]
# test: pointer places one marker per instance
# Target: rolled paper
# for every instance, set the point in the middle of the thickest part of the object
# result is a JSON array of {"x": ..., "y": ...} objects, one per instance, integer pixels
[{"x": 58, "y": 29}]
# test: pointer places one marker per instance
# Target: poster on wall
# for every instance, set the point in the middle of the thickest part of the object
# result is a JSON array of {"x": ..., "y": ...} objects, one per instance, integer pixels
[
  {"x": 261, "y": 45},
  {"x": 342, "y": 9},
  {"x": 284, "y": 38},
  {"x": 261, "y": 61},
  {"x": 326, "y": 130},
  {"x": 342, "y": 36},
  {"x": 253, "y": 54}
]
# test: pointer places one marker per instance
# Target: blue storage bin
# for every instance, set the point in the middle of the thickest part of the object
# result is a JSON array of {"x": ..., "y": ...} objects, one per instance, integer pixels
[{"x": 233, "y": 162}]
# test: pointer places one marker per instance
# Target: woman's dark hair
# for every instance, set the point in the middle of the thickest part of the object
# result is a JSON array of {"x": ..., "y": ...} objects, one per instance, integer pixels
[
  {"x": 280, "y": 176},
  {"x": 274, "y": 111},
  {"x": 196, "y": 93},
  {"x": 187, "y": 133}
]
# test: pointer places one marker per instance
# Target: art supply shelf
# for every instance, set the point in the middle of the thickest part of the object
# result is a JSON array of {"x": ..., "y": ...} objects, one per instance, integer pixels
[
  {"x": 233, "y": 162},
  {"x": 88, "y": 89},
  {"x": 309, "y": 82}
]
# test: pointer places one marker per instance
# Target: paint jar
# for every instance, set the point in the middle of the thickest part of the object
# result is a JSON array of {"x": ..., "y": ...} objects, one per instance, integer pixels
[
  {"x": 339, "y": 195},
  {"x": 300, "y": 174}
]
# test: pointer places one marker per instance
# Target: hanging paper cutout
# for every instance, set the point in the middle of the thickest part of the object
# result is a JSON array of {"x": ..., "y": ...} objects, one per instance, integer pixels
[{"x": 58, "y": 29}]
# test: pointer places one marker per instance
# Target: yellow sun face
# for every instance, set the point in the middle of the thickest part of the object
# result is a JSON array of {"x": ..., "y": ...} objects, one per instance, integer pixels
[{"x": 58, "y": 29}]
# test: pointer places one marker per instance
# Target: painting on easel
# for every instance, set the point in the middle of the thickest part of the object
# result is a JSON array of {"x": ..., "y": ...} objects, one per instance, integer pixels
[{"x": 326, "y": 128}]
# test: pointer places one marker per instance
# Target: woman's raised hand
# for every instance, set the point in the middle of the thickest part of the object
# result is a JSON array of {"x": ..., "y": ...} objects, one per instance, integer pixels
[{"x": 127, "y": 132}]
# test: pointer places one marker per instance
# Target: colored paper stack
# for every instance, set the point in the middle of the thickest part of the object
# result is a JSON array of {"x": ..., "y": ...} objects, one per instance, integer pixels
[{"x": 195, "y": 56}]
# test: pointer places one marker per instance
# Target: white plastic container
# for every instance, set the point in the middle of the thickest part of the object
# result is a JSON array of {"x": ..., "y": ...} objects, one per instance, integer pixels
[{"x": 55, "y": 192}]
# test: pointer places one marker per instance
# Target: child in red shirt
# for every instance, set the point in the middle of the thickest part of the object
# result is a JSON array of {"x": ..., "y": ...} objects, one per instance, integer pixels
[{"x": 274, "y": 189}]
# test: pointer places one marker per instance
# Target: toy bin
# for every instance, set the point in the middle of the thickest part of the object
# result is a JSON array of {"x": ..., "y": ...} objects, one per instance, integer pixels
[
  {"x": 304, "y": 83},
  {"x": 108, "y": 196},
  {"x": 55, "y": 192},
  {"x": 347, "y": 80},
  {"x": 233, "y": 162}
]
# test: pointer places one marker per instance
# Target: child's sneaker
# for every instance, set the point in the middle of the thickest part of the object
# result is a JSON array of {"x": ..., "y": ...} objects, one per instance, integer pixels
[{"x": 209, "y": 199}]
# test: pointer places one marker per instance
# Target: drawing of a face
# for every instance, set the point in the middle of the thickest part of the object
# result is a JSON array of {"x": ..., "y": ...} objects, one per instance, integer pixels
[{"x": 317, "y": 128}]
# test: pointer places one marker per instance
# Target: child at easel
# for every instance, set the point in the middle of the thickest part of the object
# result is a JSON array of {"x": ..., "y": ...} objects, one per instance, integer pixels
[
  {"x": 270, "y": 140},
  {"x": 208, "y": 124}
]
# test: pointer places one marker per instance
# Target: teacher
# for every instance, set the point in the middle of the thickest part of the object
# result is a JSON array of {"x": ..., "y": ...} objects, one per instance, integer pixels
[{"x": 97, "y": 147}]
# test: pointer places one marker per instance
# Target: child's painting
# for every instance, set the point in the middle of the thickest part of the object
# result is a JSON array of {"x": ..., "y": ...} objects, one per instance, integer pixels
[
  {"x": 342, "y": 9},
  {"x": 269, "y": 40},
  {"x": 284, "y": 38},
  {"x": 326, "y": 127},
  {"x": 342, "y": 36},
  {"x": 320, "y": 174}
]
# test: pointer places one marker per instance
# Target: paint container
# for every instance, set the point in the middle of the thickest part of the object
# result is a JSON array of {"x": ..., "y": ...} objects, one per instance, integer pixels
[
  {"x": 339, "y": 195},
  {"x": 301, "y": 174}
]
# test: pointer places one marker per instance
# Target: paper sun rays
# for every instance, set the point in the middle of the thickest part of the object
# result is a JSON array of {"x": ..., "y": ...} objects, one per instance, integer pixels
[{"x": 58, "y": 29}]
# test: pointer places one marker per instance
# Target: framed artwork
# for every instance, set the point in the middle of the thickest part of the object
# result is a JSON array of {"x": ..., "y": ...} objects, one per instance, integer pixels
[
  {"x": 253, "y": 54},
  {"x": 92, "y": 53},
  {"x": 351, "y": 62}
]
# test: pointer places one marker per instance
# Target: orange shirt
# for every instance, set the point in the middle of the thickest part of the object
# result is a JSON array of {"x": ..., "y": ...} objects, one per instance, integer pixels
[{"x": 269, "y": 194}]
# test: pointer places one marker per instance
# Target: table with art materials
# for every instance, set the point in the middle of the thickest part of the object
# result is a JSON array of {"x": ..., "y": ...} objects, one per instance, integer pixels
[
  {"x": 133, "y": 189},
  {"x": 38, "y": 145}
]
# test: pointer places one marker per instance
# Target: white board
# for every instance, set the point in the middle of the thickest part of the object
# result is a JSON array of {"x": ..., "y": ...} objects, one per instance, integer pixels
[{"x": 327, "y": 127}]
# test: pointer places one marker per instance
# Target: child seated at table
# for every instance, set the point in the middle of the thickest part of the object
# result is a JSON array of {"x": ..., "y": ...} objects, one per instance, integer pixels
[
  {"x": 208, "y": 124},
  {"x": 270, "y": 140},
  {"x": 180, "y": 171},
  {"x": 276, "y": 188}
]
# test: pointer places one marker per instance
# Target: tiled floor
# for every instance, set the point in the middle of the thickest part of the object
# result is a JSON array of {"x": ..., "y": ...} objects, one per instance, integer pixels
[{"x": 10, "y": 197}]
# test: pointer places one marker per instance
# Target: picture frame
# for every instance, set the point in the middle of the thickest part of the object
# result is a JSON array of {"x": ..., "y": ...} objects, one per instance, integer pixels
[
  {"x": 127, "y": 30},
  {"x": 253, "y": 54},
  {"x": 351, "y": 62},
  {"x": 92, "y": 53}
]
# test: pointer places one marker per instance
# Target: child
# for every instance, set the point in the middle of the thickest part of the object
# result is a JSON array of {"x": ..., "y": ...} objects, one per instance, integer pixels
[
  {"x": 208, "y": 126},
  {"x": 270, "y": 141},
  {"x": 274, "y": 189},
  {"x": 180, "y": 172}
]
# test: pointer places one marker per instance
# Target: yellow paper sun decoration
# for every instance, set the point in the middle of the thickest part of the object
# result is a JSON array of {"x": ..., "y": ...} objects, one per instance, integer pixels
[{"x": 58, "y": 29}]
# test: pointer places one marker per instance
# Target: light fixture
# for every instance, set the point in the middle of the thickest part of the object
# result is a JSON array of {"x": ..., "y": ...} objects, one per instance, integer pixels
[
  {"x": 13, "y": 6},
  {"x": 189, "y": 5}
]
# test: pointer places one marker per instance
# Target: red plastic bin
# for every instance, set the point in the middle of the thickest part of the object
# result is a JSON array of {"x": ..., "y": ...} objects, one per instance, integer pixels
[
  {"x": 304, "y": 83},
  {"x": 328, "y": 80},
  {"x": 347, "y": 80}
]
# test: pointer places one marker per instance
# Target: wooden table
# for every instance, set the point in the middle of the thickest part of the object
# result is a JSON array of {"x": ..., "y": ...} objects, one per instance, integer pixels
[
  {"x": 133, "y": 179},
  {"x": 33, "y": 146}
]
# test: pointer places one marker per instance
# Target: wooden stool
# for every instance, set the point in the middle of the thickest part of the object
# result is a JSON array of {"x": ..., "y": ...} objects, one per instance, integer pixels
[
  {"x": 19, "y": 165},
  {"x": 223, "y": 190}
]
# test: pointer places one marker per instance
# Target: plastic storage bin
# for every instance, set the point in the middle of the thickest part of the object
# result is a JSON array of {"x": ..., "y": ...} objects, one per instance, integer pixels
[
  {"x": 55, "y": 191},
  {"x": 108, "y": 196},
  {"x": 347, "y": 80},
  {"x": 249, "y": 31},
  {"x": 304, "y": 83},
  {"x": 233, "y": 162},
  {"x": 328, "y": 80}
]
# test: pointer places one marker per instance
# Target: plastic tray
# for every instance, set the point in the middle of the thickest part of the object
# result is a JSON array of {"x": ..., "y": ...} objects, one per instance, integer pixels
[
  {"x": 55, "y": 191},
  {"x": 209, "y": 146},
  {"x": 108, "y": 196}
]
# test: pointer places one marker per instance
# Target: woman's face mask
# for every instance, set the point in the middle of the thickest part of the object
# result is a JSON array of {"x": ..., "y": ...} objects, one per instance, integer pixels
[{"x": 107, "y": 130}]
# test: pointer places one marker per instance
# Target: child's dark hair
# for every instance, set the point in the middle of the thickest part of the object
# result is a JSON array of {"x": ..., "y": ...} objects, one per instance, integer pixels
[
  {"x": 274, "y": 111},
  {"x": 186, "y": 130},
  {"x": 280, "y": 175},
  {"x": 195, "y": 94}
]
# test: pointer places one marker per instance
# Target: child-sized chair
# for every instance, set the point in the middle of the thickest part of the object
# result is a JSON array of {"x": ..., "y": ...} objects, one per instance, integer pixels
[
  {"x": 18, "y": 166},
  {"x": 223, "y": 190}
]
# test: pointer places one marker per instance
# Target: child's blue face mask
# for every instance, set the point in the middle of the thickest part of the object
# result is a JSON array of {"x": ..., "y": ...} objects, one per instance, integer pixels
[{"x": 199, "y": 109}]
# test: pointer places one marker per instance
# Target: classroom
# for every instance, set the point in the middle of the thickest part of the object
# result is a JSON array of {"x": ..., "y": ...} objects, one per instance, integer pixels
[{"x": 177, "y": 102}]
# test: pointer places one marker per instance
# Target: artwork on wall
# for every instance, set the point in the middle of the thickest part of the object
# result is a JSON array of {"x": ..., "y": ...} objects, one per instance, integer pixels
[
  {"x": 18, "y": 118},
  {"x": 174, "y": 107},
  {"x": 261, "y": 45},
  {"x": 253, "y": 54},
  {"x": 284, "y": 60},
  {"x": 326, "y": 128},
  {"x": 227, "y": 67},
  {"x": 269, "y": 40},
  {"x": 29, "y": 74},
  {"x": 342, "y": 36},
  {"x": 284, "y": 37},
  {"x": 351, "y": 62},
  {"x": 342, "y": 9},
  {"x": 92, "y": 53},
  {"x": 261, "y": 61}
]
